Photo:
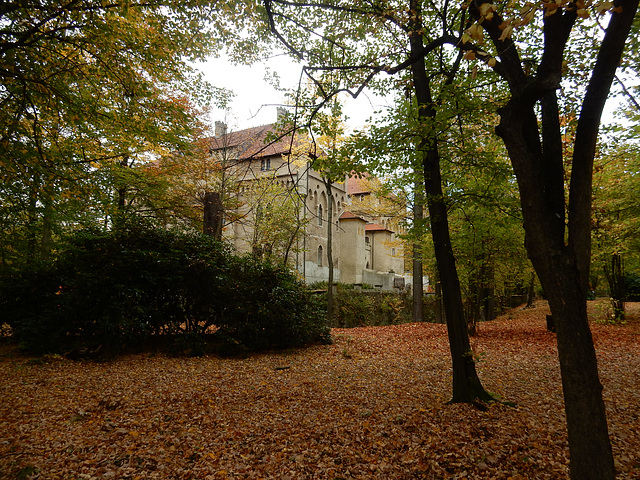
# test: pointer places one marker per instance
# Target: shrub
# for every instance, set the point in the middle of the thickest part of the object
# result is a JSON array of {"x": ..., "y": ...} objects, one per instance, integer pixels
[
  {"x": 358, "y": 309},
  {"x": 632, "y": 287},
  {"x": 110, "y": 292},
  {"x": 271, "y": 309}
]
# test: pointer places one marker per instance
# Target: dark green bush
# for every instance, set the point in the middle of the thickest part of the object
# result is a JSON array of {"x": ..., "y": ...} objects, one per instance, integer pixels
[
  {"x": 271, "y": 309},
  {"x": 111, "y": 292},
  {"x": 632, "y": 287}
]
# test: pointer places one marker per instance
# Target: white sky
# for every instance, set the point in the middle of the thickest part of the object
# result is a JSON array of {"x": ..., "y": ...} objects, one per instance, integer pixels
[{"x": 256, "y": 100}]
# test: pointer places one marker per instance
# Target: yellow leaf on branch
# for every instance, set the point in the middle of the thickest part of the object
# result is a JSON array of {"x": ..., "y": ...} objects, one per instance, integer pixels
[{"x": 469, "y": 55}]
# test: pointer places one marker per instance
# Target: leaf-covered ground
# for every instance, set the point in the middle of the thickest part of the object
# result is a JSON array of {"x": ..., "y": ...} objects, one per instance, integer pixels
[{"x": 372, "y": 405}]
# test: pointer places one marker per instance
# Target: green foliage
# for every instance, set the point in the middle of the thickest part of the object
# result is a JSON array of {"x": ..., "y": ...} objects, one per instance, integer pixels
[
  {"x": 90, "y": 89},
  {"x": 114, "y": 291},
  {"x": 277, "y": 224},
  {"x": 271, "y": 308},
  {"x": 361, "y": 309},
  {"x": 616, "y": 225},
  {"x": 632, "y": 287}
]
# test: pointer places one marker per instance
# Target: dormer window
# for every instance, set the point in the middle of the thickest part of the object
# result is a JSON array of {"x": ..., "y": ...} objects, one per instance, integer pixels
[{"x": 265, "y": 164}]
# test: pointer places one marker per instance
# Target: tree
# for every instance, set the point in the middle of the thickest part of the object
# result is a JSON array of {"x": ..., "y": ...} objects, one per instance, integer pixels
[
  {"x": 420, "y": 129},
  {"x": 277, "y": 220},
  {"x": 466, "y": 383},
  {"x": 89, "y": 89},
  {"x": 530, "y": 128},
  {"x": 332, "y": 160},
  {"x": 617, "y": 214},
  {"x": 535, "y": 146},
  {"x": 193, "y": 179}
]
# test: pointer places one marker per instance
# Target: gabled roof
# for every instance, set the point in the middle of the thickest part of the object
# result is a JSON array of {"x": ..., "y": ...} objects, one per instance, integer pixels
[
  {"x": 359, "y": 184},
  {"x": 255, "y": 142}
]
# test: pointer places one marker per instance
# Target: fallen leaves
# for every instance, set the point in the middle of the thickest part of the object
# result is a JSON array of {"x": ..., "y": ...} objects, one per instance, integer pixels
[{"x": 372, "y": 405}]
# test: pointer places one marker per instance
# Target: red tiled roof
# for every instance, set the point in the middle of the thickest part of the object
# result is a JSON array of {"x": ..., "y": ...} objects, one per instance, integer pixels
[
  {"x": 255, "y": 142},
  {"x": 347, "y": 215},
  {"x": 374, "y": 227},
  {"x": 358, "y": 184}
]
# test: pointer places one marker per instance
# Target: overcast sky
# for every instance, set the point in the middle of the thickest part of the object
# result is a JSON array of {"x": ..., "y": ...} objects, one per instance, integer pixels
[{"x": 256, "y": 101}]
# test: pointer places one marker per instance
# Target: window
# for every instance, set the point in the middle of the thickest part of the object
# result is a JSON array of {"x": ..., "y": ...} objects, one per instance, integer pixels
[
  {"x": 265, "y": 164},
  {"x": 319, "y": 215},
  {"x": 319, "y": 255}
]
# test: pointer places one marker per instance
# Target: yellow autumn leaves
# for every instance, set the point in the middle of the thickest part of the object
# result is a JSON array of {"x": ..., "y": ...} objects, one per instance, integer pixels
[{"x": 523, "y": 16}]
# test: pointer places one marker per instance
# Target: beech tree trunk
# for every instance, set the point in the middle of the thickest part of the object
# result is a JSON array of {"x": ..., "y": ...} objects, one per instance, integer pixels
[
  {"x": 558, "y": 236},
  {"x": 467, "y": 387},
  {"x": 560, "y": 270}
]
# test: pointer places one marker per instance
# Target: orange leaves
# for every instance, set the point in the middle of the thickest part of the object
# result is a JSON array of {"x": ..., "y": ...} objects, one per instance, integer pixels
[
  {"x": 378, "y": 413},
  {"x": 475, "y": 32}
]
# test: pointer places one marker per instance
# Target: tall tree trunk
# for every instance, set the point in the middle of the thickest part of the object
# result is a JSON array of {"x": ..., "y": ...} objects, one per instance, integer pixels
[
  {"x": 467, "y": 387},
  {"x": 119, "y": 218},
  {"x": 562, "y": 261},
  {"x": 330, "y": 297},
  {"x": 589, "y": 446},
  {"x": 418, "y": 218},
  {"x": 615, "y": 278},
  {"x": 560, "y": 269}
]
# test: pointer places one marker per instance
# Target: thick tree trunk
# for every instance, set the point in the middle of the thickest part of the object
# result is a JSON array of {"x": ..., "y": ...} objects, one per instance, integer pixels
[
  {"x": 561, "y": 273},
  {"x": 562, "y": 261},
  {"x": 589, "y": 446}
]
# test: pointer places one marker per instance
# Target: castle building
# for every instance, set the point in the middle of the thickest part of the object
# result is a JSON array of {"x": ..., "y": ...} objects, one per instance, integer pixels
[{"x": 278, "y": 205}]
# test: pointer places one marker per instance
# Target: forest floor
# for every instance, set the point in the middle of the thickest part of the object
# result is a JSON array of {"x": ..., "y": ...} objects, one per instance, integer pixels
[{"x": 370, "y": 406}]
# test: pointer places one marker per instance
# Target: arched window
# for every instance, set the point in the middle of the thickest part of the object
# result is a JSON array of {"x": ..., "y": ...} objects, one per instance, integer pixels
[
  {"x": 319, "y": 255},
  {"x": 319, "y": 215}
]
